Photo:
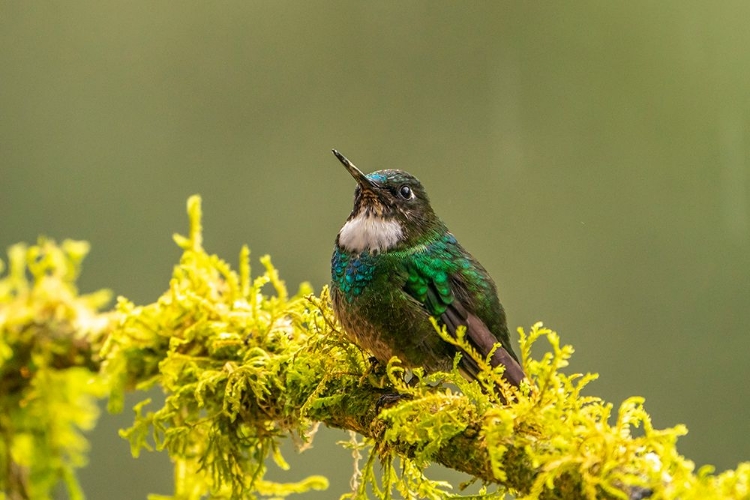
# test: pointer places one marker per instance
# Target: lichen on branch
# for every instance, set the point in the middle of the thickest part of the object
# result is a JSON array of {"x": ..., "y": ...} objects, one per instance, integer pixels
[{"x": 244, "y": 364}]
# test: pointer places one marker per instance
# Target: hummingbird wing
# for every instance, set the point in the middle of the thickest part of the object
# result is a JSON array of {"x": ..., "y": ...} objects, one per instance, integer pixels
[
  {"x": 483, "y": 340},
  {"x": 437, "y": 285}
]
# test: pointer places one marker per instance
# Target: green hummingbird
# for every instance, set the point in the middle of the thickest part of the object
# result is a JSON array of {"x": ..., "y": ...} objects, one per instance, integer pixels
[{"x": 395, "y": 265}]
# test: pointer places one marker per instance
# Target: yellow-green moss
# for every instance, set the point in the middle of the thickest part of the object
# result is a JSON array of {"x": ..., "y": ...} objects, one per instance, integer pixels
[
  {"x": 243, "y": 364},
  {"x": 49, "y": 342}
]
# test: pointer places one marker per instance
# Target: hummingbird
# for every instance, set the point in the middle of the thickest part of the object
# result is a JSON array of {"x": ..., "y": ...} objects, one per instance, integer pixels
[{"x": 395, "y": 265}]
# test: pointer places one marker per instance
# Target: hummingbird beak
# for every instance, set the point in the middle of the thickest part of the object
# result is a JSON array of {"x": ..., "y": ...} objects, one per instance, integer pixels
[{"x": 361, "y": 179}]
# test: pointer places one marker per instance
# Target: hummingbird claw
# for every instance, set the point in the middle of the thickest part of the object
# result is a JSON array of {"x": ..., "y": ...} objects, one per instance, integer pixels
[{"x": 389, "y": 399}]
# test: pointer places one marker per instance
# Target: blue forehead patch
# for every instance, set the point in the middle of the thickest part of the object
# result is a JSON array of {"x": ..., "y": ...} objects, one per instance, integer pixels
[{"x": 377, "y": 177}]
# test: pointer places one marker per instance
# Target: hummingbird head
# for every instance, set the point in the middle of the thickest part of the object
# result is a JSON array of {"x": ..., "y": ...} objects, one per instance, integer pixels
[{"x": 391, "y": 211}]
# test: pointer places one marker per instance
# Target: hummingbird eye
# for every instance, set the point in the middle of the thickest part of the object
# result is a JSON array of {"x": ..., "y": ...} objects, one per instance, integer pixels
[{"x": 405, "y": 192}]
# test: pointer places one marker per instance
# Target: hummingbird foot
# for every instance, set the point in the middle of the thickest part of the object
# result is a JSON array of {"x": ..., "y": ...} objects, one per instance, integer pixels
[{"x": 388, "y": 399}]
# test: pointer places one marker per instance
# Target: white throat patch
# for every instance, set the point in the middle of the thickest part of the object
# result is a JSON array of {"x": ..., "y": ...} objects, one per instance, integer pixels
[{"x": 369, "y": 233}]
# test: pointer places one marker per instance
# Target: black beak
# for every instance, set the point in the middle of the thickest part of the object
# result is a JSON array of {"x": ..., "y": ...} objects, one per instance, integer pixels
[{"x": 361, "y": 179}]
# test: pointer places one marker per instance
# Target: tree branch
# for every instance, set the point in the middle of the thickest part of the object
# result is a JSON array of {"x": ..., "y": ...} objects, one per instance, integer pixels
[{"x": 243, "y": 364}]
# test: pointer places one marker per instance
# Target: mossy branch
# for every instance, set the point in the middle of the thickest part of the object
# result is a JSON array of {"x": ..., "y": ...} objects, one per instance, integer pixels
[{"x": 243, "y": 364}]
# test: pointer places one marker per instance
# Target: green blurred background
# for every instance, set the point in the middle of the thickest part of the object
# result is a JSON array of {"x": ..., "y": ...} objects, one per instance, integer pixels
[{"x": 594, "y": 156}]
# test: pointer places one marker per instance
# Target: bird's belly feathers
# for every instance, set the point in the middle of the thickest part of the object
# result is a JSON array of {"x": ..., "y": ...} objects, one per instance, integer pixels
[{"x": 376, "y": 313}]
